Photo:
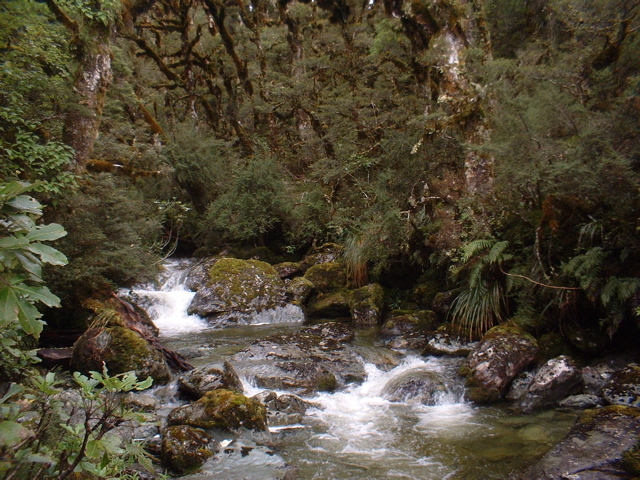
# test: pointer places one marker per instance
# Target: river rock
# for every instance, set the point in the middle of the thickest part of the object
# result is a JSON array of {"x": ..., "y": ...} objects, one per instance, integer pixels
[
  {"x": 315, "y": 359},
  {"x": 332, "y": 305},
  {"x": 366, "y": 304},
  {"x": 327, "y": 277},
  {"x": 555, "y": 380},
  {"x": 298, "y": 290},
  {"x": 236, "y": 289},
  {"x": 328, "y": 252},
  {"x": 284, "y": 409},
  {"x": 185, "y": 449},
  {"x": 593, "y": 449},
  {"x": 197, "y": 382},
  {"x": 502, "y": 354},
  {"x": 415, "y": 385},
  {"x": 289, "y": 269},
  {"x": 624, "y": 387},
  {"x": 198, "y": 275},
  {"x": 222, "y": 409},
  {"x": 122, "y": 350},
  {"x": 582, "y": 400},
  {"x": 444, "y": 344}
]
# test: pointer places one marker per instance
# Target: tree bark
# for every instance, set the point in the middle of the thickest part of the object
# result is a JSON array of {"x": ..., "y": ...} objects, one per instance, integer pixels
[{"x": 93, "y": 78}]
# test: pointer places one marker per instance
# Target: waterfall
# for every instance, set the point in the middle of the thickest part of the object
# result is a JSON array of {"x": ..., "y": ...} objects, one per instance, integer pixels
[{"x": 167, "y": 300}]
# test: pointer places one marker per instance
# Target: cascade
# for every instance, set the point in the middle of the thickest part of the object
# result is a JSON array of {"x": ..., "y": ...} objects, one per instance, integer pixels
[{"x": 408, "y": 419}]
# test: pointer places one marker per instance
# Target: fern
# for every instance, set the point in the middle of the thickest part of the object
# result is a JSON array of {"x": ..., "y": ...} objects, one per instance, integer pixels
[{"x": 619, "y": 290}]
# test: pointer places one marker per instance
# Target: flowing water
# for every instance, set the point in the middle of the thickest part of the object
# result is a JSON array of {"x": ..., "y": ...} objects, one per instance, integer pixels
[{"x": 360, "y": 433}]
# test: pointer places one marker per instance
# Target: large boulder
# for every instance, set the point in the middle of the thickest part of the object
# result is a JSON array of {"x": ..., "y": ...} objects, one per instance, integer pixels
[
  {"x": 197, "y": 382},
  {"x": 222, "y": 409},
  {"x": 327, "y": 277},
  {"x": 185, "y": 449},
  {"x": 284, "y": 409},
  {"x": 624, "y": 387},
  {"x": 315, "y": 359},
  {"x": 121, "y": 350},
  {"x": 236, "y": 289},
  {"x": 331, "y": 305},
  {"x": 366, "y": 304},
  {"x": 405, "y": 323},
  {"x": 593, "y": 449},
  {"x": 555, "y": 380},
  {"x": 198, "y": 275},
  {"x": 416, "y": 385},
  {"x": 502, "y": 354},
  {"x": 298, "y": 290}
]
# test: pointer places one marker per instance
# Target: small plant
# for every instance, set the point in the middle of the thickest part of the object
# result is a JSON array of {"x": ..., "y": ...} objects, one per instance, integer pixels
[
  {"x": 40, "y": 438},
  {"x": 483, "y": 300}
]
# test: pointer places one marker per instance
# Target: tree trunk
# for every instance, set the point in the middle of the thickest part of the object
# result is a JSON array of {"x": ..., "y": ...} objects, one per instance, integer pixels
[{"x": 93, "y": 78}]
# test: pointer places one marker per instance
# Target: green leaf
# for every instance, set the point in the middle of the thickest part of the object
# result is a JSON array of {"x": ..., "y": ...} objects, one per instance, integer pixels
[
  {"x": 51, "y": 231},
  {"x": 12, "y": 433},
  {"x": 37, "y": 294},
  {"x": 14, "y": 243},
  {"x": 31, "y": 264},
  {"x": 26, "y": 203},
  {"x": 48, "y": 254}
]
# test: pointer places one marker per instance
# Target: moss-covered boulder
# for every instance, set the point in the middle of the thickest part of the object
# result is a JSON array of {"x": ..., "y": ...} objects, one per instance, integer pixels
[
  {"x": 122, "y": 350},
  {"x": 594, "y": 449},
  {"x": 502, "y": 354},
  {"x": 624, "y": 387},
  {"x": 197, "y": 382},
  {"x": 298, "y": 290},
  {"x": 366, "y": 304},
  {"x": 327, "y": 252},
  {"x": 327, "y": 277},
  {"x": 289, "y": 269},
  {"x": 223, "y": 409},
  {"x": 332, "y": 305},
  {"x": 197, "y": 275},
  {"x": 184, "y": 449},
  {"x": 404, "y": 323},
  {"x": 236, "y": 289}
]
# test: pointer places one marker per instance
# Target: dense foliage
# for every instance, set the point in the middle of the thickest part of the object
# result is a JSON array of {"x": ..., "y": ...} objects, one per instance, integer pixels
[{"x": 406, "y": 131}]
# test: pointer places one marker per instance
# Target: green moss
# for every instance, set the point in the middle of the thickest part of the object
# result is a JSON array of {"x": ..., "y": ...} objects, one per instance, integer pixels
[
  {"x": 631, "y": 461},
  {"x": 327, "y": 382},
  {"x": 334, "y": 305},
  {"x": 508, "y": 329},
  {"x": 327, "y": 277},
  {"x": 588, "y": 416},
  {"x": 232, "y": 410}
]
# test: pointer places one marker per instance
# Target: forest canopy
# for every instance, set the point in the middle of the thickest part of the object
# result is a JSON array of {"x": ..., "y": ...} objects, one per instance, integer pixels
[{"x": 488, "y": 148}]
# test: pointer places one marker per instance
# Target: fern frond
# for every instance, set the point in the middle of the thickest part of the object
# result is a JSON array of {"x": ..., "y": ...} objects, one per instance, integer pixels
[
  {"x": 472, "y": 248},
  {"x": 495, "y": 255},
  {"x": 619, "y": 289}
]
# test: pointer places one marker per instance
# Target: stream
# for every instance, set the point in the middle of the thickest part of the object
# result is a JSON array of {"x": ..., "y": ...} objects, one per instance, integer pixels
[{"x": 358, "y": 433}]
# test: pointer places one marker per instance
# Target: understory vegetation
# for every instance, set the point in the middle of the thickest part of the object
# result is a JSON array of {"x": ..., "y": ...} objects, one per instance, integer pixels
[{"x": 490, "y": 150}]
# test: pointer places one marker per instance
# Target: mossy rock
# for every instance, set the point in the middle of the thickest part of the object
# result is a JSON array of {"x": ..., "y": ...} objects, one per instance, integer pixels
[
  {"x": 185, "y": 449},
  {"x": 327, "y": 252},
  {"x": 502, "y": 354},
  {"x": 327, "y": 277},
  {"x": 223, "y": 409},
  {"x": 299, "y": 290},
  {"x": 122, "y": 350},
  {"x": 333, "y": 305},
  {"x": 366, "y": 304},
  {"x": 238, "y": 287},
  {"x": 422, "y": 321},
  {"x": 631, "y": 461},
  {"x": 624, "y": 387},
  {"x": 289, "y": 269},
  {"x": 197, "y": 382}
]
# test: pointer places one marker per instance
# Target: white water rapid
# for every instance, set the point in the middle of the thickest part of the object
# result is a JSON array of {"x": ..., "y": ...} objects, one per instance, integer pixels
[
  {"x": 406, "y": 420},
  {"x": 167, "y": 302}
]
